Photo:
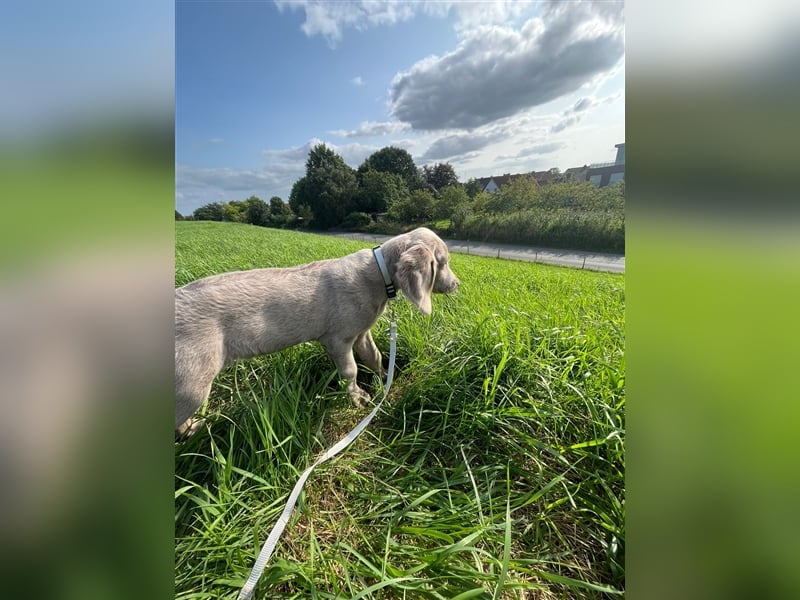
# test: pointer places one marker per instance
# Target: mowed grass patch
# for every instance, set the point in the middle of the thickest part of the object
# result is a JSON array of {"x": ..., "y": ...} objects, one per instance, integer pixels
[{"x": 495, "y": 471}]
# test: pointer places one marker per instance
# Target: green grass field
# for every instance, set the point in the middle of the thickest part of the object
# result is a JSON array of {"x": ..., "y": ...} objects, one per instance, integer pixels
[{"x": 496, "y": 470}]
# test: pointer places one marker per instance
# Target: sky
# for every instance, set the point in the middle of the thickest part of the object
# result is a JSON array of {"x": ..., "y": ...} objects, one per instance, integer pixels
[{"x": 489, "y": 87}]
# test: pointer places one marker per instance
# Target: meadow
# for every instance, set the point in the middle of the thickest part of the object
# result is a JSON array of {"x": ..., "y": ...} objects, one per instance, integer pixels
[{"x": 495, "y": 469}]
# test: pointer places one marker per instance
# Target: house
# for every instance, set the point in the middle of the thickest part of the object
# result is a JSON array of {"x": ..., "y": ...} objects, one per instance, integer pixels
[
  {"x": 494, "y": 183},
  {"x": 545, "y": 177},
  {"x": 599, "y": 174},
  {"x": 603, "y": 174},
  {"x": 577, "y": 173},
  {"x": 620, "y": 153}
]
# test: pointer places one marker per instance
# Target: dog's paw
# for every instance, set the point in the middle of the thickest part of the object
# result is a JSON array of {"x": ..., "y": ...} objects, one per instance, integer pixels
[
  {"x": 359, "y": 397},
  {"x": 188, "y": 428}
]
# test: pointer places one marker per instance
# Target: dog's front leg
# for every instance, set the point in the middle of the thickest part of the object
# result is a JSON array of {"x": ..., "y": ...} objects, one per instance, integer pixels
[{"x": 341, "y": 352}]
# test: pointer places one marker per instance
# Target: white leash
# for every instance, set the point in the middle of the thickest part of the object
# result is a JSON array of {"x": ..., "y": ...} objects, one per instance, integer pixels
[{"x": 269, "y": 546}]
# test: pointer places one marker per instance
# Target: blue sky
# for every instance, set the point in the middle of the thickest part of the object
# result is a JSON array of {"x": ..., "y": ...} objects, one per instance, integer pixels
[{"x": 490, "y": 87}]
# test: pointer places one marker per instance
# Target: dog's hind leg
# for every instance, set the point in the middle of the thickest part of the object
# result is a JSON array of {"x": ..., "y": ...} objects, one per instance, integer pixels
[
  {"x": 195, "y": 370},
  {"x": 368, "y": 352},
  {"x": 341, "y": 352}
]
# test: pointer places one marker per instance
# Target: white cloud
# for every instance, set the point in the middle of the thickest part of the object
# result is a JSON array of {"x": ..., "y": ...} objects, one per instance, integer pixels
[
  {"x": 499, "y": 71},
  {"x": 293, "y": 160},
  {"x": 475, "y": 14},
  {"x": 372, "y": 128},
  {"x": 584, "y": 104},
  {"x": 357, "y": 81},
  {"x": 209, "y": 142},
  {"x": 577, "y": 111},
  {"x": 537, "y": 150},
  {"x": 225, "y": 178},
  {"x": 458, "y": 145},
  {"x": 564, "y": 123},
  {"x": 330, "y": 19}
]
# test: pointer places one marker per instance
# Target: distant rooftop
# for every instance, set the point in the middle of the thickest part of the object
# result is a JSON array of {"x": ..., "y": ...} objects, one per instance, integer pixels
[{"x": 543, "y": 177}]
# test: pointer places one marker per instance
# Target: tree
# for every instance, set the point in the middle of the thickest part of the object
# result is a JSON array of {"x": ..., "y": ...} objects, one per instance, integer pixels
[
  {"x": 556, "y": 175},
  {"x": 440, "y": 175},
  {"x": 574, "y": 194},
  {"x": 278, "y": 207},
  {"x": 450, "y": 198},
  {"x": 234, "y": 211},
  {"x": 522, "y": 192},
  {"x": 378, "y": 191},
  {"x": 392, "y": 159},
  {"x": 479, "y": 202},
  {"x": 256, "y": 211},
  {"x": 178, "y": 216},
  {"x": 297, "y": 202},
  {"x": 417, "y": 208},
  {"x": 280, "y": 213},
  {"x": 328, "y": 189},
  {"x": 210, "y": 212},
  {"x": 473, "y": 187},
  {"x": 304, "y": 215}
]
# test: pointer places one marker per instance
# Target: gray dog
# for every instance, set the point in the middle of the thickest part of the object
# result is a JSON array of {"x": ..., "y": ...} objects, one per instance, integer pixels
[{"x": 243, "y": 314}]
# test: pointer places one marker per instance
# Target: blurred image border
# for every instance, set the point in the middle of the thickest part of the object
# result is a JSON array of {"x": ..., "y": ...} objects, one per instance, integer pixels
[{"x": 712, "y": 287}]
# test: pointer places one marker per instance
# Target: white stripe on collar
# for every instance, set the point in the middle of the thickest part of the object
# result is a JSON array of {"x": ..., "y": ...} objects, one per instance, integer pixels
[{"x": 391, "y": 291}]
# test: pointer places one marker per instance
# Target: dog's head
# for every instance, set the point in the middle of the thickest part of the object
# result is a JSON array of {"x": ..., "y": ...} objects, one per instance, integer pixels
[{"x": 419, "y": 264}]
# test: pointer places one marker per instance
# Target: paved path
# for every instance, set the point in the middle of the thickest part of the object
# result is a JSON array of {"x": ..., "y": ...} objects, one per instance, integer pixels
[{"x": 593, "y": 261}]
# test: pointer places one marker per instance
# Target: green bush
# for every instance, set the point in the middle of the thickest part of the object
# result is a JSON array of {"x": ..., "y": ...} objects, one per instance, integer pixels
[
  {"x": 602, "y": 231},
  {"x": 356, "y": 220}
]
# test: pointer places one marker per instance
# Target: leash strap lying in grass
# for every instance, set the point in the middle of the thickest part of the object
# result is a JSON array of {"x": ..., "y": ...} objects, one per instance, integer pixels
[{"x": 283, "y": 520}]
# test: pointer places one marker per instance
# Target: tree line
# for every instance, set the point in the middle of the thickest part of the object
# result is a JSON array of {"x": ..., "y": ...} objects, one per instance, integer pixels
[
  {"x": 253, "y": 210},
  {"x": 388, "y": 193}
]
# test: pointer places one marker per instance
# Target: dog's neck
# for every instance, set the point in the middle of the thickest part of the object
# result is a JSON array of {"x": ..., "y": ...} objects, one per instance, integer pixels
[{"x": 391, "y": 291}]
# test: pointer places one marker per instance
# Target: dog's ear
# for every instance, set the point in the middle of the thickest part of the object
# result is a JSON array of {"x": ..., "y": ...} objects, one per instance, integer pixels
[{"x": 415, "y": 275}]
